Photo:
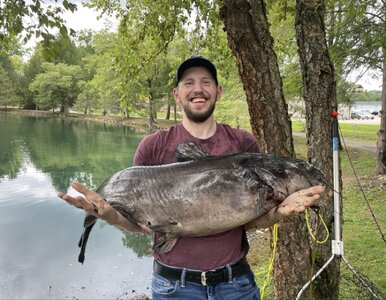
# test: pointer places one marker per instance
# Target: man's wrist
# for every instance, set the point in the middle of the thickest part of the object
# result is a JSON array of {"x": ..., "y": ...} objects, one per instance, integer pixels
[
  {"x": 270, "y": 218},
  {"x": 275, "y": 214}
]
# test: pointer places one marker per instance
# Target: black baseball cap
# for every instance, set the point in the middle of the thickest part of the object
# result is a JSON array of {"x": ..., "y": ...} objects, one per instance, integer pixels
[{"x": 197, "y": 61}]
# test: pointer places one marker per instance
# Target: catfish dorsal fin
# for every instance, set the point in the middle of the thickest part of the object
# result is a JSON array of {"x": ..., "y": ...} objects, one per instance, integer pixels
[{"x": 190, "y": 151}]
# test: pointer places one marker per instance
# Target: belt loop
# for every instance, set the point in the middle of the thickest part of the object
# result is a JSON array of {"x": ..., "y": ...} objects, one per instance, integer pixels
[
  {"x": 183, "y": 275},
  {"x": 229, "y": 268}
]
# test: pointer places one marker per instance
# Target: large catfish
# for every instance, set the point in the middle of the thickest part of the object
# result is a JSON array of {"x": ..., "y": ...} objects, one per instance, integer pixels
[{"x": 203, "y": 195}]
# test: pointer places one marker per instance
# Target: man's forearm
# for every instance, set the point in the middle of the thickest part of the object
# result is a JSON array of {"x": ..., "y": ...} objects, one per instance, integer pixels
[
  {"x": 265, "y": 221},
  {"x": 294, "y": 204}
]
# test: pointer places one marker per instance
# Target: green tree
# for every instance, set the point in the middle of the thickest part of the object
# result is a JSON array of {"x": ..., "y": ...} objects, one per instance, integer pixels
[
  {"x": 357, "y": 39},
  {"x": 31, "y": 69},
  {"x": 281, "y": 18},
  {"x": 7, "y": 90},
  {"x": 14, "y": 16},
  {"x": 143, "y": 70},
  {"x": 99, "y": 64},
  {"x": 56, "y": 87},
  {"x": 63, "y": 49},
  {"x": 9, "y": 77},
  {"x": 87, "y": 97}
]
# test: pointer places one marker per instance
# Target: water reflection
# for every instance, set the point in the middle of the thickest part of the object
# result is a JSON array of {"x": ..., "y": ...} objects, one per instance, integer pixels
[{"x": 39, "y": 232}]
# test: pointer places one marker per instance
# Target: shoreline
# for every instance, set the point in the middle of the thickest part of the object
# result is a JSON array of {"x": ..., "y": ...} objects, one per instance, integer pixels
[
  {"x": 141, "y": 121},
  {"x": 131, "y": 121}
]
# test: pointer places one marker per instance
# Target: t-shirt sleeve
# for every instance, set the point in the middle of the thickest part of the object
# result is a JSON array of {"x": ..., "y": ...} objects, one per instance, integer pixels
[
  {"x": 253, "y": 145},
  {"x": 248, "y": 142},
  {"x": 144, "y": 155}
]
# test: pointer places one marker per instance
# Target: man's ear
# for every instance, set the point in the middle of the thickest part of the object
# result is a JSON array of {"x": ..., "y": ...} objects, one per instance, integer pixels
[
  {"x": 176, "y": 95},
  {"x": 219, "y": 92}
]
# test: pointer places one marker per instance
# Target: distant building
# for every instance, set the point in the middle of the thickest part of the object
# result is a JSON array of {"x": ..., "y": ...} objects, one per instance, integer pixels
[{"x": 358, "y": 88}]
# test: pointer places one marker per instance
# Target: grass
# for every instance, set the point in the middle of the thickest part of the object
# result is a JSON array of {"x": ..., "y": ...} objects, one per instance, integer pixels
[
  {"x": 363, "y": 245},
  {"x": 355, "y": 132}
]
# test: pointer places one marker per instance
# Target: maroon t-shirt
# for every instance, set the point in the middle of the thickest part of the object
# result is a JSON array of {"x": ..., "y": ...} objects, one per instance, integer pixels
[{"x": 208, "y": 252}]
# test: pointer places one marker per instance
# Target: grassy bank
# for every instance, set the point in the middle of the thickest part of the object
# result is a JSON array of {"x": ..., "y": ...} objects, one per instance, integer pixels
[
  {"x": 363, "y": 246},
  {"x": 354, "y": 132}
]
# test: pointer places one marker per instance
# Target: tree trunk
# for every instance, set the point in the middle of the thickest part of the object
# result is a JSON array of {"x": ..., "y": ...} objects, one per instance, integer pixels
[
  {"x": 381, "y": 142},
  {"x": 319, "y": 92},
  {"x": 126, "y": 112},
  {"x": 249, "y": 38},
  {"x": 168, "y": 112},
  {"x": 151, "y": 117}
]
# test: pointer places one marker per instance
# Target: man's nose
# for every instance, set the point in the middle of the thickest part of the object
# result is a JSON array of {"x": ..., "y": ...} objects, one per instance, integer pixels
[{"x": 197, "y": 87}]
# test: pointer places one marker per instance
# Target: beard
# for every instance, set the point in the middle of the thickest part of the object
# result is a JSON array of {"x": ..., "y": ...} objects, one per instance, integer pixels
[{"x": 199, "y": 117}]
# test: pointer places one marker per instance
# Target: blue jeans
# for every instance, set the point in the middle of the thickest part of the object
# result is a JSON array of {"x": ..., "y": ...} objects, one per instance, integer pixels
[{"x": 242, "y": 287}]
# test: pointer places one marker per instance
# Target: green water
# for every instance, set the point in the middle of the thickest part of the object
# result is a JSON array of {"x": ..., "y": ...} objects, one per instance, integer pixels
[{"x": 39, "y": 232}]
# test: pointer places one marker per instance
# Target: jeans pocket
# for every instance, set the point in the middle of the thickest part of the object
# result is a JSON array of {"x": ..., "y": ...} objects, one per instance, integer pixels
[
  {"x": 244, "y": 282},
  {"x": 163, "y": 286}
]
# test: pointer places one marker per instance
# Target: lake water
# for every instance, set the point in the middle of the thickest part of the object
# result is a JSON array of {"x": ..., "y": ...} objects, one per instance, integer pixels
[{"x": 39, "y": 232}]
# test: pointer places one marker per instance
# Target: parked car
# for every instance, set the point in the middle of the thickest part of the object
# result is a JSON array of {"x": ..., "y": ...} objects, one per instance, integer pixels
[
  {"x": 376, "y": 113},
  {"x": 362, "y": 115},
  {"x": 366, "y": 115},
  {"x": 355, "y": 115}
]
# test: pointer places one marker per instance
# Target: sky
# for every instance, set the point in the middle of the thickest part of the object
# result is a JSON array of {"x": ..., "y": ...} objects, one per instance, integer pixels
[
  {"x": 87, "y": 18},
  {"x": 371, "y": 81}
]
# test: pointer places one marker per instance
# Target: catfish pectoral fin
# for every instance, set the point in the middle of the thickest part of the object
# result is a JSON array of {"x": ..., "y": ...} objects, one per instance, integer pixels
[
  {"x": 165, "y": 243},
  {"x": 83, "y": 240},
  {"x": 88, "y": 220}
]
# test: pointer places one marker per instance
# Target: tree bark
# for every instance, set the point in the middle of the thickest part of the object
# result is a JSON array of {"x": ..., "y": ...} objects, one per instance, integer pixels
[
  {"x": 319, "y": 92},
  {"x": 381, "y": 142},
  {"x": 249, "y": 38}
]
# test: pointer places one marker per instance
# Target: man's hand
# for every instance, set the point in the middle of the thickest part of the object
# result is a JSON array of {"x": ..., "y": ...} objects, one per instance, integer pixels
[
  {"x": 95, "y": 205},
  {"x": 299, "y": 201},
  {"x": 293, "y": 204},
  {"x": 92, "y": 203}
]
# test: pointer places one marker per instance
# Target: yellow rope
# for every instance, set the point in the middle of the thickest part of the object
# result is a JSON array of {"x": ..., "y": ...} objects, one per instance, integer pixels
[
  {"x": 275, "y": 231},
  {"x": 310, "y": 230},
  {"x": 270, "y": 267}
]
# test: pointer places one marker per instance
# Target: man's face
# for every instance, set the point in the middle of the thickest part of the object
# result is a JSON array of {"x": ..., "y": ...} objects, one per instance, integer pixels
[{"x": 197, "y": 92}]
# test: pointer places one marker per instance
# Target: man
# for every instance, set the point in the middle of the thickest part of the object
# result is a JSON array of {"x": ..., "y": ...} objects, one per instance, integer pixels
[{"x": 209, "y": 267}]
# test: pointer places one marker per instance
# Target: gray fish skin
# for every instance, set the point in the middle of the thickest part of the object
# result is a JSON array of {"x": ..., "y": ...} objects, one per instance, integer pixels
[
  {"x": 207, "y": 196},
  {"x": 204, "y": 196}
]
